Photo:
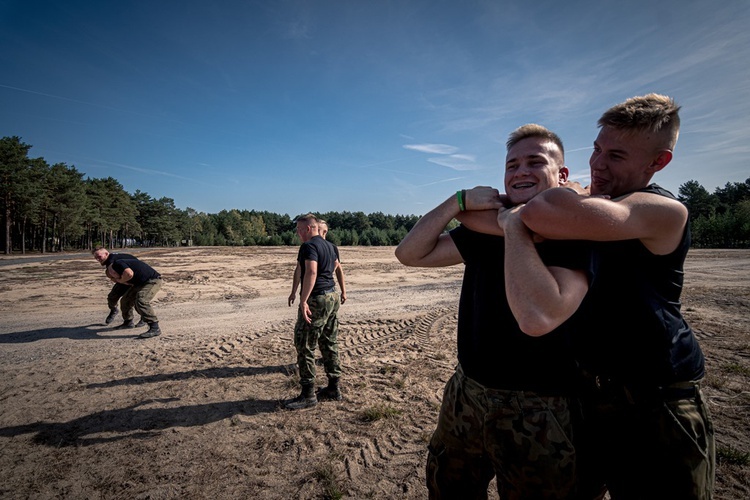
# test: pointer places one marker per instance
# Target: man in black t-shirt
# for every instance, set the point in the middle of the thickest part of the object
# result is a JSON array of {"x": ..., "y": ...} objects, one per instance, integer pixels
[
  {"x": 143, "y": 283},
  {"x": 106, "y": 258},
  {"x": 317, "y": 318},
  {"x": 506, "y": 410}
]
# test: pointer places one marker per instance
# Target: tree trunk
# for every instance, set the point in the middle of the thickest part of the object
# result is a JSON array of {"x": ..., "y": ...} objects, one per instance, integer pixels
[
  {"x": 23, "y": 236},
  {"x": 8, "y": 243}
]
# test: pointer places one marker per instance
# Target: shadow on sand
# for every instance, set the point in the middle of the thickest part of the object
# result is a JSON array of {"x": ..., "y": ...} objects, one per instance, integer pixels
[
  {"x": 84, "y": 332},
  {"x": 217, "y": 373},
  {"x": 134, "y": 422}
]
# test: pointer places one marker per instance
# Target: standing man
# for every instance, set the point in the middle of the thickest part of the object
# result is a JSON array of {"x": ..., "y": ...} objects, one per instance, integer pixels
[
  {"x": 339, "y": 270},
  {"x": 317, "y": 318},
  {"x": 644, "y": 411},
  {"x": 143, "y": 283},
  {"x": 323, "y": 230},
  {"x": 106, "y": 258},
  {"x": 505, "y": 411}
]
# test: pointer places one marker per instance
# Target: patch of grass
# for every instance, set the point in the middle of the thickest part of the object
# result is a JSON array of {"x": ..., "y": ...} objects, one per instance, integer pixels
[
  {"x": 327, "y": 477},
  {"x": 387, "y": 370},
  {"x": 736, "y": 368},
  {"x": 379, "y": 412},
  {"x": 729, "y": 455}
]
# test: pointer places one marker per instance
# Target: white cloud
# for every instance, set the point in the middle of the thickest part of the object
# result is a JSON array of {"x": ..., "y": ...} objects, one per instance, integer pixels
[
  {"x": 456, "y": 162},
  {"x": 440, "y": 149}
]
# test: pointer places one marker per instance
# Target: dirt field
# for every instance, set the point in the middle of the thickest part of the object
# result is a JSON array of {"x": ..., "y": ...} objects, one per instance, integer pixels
[{"x": 91, "y": 412}]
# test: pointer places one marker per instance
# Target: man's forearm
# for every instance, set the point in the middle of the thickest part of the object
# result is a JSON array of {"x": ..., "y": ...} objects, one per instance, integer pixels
[{"x": 424, "y": 236}]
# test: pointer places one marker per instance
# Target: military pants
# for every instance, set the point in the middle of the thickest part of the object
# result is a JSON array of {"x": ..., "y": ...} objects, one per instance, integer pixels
[
  {"x": 654, "y": 447},
  {"x": 140, "y": 297},
  {"x": 118, "y": 290},
  {"x": 522, "y": 438},
  {"x": 323, "y": 332}
]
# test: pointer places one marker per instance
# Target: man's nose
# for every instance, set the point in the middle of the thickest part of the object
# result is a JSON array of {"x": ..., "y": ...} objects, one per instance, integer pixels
[{"x": 596, "y": 162}]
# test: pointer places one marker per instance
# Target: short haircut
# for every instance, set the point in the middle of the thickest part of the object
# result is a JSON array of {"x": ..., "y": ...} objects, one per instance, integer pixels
[
  {"x": 533, "y": 130},
  {"x": 310, "y": 219},
  {"x": 653, "y": 113},
  {"x": 96, "y": 249}
]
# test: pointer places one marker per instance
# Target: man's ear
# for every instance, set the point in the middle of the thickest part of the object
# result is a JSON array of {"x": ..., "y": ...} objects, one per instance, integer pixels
[
  {"x": 563, "y": 174},
  {"x": 661, "y": 161}
]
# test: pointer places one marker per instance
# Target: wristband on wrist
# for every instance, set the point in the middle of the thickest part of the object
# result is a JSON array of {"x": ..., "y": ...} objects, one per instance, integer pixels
[{"x": 460, "y": 197}]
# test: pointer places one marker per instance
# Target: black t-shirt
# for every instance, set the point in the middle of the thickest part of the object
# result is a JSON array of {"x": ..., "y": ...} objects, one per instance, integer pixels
[
  {"x": 323, "y": 253},
  {"x": 631, "y": 325},
  {"x": 492, "y": 349},
  {"x": 142, "y": 272},
  {"x": 112, "y": 257}
]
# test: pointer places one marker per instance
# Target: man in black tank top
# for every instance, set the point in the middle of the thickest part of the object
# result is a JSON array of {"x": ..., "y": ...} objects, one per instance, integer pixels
[{"x": 640, "y": 363}]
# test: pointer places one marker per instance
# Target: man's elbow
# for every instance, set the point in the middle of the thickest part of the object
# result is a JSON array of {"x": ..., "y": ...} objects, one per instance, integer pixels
[
  {"x": 405, "y": 257},
  {"x": 533, "y": 212},
  {"x": 537, "y": 326}
]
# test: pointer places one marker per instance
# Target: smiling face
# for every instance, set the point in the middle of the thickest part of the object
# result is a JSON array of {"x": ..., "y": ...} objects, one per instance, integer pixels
[
  {"x": 625, "y": 161},
  {"x": 101, "y": 255},
  {"x": 533, "y": 165}
]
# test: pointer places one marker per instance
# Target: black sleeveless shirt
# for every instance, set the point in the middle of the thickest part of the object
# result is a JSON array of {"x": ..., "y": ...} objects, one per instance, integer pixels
[{"x": 630, "y": 327}]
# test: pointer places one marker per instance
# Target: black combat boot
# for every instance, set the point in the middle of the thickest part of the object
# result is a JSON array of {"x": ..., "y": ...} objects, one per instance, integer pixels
[
  {"x": 153, "y": 331},
  {"x": 332, "y": 391},
  {"x": 127, "y": 324},
  {"x": 111, "y": 316},
  {"x": 306, "y": 399}
]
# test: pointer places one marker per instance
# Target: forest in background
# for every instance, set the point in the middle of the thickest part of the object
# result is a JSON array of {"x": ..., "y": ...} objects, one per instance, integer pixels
[{"x": 53, "y": 208}]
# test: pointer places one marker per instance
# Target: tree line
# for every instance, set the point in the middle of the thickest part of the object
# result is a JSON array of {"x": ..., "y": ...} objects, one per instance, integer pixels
[{"x": 51, "y": 208}]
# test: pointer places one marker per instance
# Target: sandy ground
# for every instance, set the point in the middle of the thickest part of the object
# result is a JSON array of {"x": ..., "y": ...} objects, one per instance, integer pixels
[{"x": 91, "y": 412}]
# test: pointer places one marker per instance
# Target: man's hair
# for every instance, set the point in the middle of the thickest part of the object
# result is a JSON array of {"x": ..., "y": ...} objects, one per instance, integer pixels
[
  {"x": 654, "y": 113},
  {"x": 310, "y": 219},
  {"x": 533, "y": 130},
  {"x": 96, "y": 249}
]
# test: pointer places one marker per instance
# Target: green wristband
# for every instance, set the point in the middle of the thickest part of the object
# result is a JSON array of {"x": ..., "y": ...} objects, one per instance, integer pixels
[{"x": 460, "y": 198}]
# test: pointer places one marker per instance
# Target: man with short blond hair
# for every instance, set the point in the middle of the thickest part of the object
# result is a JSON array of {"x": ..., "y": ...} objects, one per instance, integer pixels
[
  {"x": 506, "y": 411},
  {"x": 317, "y": 318},
  {"x": 644, "y": 412}
]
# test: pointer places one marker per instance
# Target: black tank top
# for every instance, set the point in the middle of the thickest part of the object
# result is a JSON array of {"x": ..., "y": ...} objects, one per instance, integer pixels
[{"x": 630, "y": 326}]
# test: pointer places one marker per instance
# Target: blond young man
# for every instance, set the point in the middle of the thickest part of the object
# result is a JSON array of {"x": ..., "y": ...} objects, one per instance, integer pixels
[
  {"x": 506, "y": 410},
  {"x": 644, "y": 413}
]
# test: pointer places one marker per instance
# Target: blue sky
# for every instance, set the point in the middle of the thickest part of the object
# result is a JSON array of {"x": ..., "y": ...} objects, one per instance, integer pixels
[{"x": 372, "y": 106}]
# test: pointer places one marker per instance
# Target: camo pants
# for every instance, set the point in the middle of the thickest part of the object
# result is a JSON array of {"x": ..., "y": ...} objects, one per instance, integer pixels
[
  {"x": 140, "y": 297},
  {"x": 118, "y": 290},
  {"x": 522, "y": 438},
  {"x": 323, "y": 331},
  {"x": 651, "y": 448}
]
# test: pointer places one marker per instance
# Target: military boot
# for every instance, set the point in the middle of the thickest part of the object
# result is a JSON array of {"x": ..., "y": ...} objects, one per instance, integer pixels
[
  {"x": 127, "y": 324},
  {"x": 331, "y": 391},
  {"x": 306, "y": 399},
  {"x": 111, "y": 316}
]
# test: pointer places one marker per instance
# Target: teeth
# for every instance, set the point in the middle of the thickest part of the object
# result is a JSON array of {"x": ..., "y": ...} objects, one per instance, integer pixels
[{"x": 523, "y": 185}]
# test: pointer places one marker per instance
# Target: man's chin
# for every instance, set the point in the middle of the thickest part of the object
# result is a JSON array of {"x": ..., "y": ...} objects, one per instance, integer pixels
[{"x": 523, "y": 196}]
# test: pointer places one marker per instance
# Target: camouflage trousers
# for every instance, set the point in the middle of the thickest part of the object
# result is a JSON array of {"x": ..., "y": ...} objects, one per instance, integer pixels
[
  {"x": 323, "y": 332},
  {"x": 520, "y": 437},
  {"x": 140, "y": 297},
  {"x": 651, "y": 447},
  {"x": 118, "y": 290}
]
